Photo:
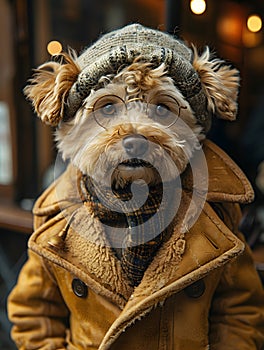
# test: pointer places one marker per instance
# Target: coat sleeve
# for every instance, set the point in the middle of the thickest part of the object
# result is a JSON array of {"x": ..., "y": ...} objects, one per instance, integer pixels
[
  {"x": 36, "y": 309},
  {"x": 237, "y": 313}
]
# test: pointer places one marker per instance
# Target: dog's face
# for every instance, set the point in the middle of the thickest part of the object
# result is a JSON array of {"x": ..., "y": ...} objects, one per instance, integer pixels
[{"x": 137, "y": 126}]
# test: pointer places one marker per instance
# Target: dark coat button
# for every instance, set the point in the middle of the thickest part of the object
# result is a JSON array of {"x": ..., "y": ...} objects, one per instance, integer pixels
[
  {"x": 196, "y": 289},
  {"x": 79, "y": 288}
]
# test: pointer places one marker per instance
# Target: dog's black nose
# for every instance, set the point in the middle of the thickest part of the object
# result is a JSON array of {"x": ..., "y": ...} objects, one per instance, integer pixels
[{"x": 135, "y": 145}]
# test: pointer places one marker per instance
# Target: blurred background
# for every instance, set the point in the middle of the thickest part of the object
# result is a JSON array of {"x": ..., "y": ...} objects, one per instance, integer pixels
[{"x": 32, "y": 30}]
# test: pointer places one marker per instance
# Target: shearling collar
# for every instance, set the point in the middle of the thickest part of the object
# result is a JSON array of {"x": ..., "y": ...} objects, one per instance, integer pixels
[
  {"x": 227, "y": 182},
  {"x": 210, "y": 243}
]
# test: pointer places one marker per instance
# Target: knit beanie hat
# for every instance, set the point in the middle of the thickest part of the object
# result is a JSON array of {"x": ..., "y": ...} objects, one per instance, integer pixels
[
  {"x": 58, "y": 89},
  {"x": 119, "y": 48}
]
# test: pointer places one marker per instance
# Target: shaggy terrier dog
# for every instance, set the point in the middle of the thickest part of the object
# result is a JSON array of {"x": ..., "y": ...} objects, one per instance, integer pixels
[
  {"x": 132, "y": 137},
  {"x": 131, "y": 242}
]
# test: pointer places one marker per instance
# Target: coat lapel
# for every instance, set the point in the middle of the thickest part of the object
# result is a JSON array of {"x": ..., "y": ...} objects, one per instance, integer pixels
[
  {"x": 226, "y": 181},
  {"x": 95, "y": 264}
]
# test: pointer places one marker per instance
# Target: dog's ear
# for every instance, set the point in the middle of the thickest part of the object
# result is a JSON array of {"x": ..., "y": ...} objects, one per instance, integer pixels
[
  {"x": 49, "y": 87},
  {"x": 220, "y": 83}
]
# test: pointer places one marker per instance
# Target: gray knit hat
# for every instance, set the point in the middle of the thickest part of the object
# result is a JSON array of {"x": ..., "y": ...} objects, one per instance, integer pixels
[{"x": 121, "y": 47}]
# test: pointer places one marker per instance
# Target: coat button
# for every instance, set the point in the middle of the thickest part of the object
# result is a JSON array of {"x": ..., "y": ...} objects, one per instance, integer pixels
[
  {"x": 79, "y": 288},
  {"x": 196, "y": 289}
]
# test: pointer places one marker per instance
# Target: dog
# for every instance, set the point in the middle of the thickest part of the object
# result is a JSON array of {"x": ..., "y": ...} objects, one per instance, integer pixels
[{"x": 132, "y": 114}]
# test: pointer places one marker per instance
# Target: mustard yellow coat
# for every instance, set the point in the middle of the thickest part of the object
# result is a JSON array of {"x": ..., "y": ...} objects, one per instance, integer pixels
[{"x": 200, "y": 292}]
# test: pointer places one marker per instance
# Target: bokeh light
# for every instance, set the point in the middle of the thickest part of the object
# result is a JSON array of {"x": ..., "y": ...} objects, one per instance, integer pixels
[
  {"x": 198, "y": 6},
  {"x": 54, "y": 47},
  {"x": 254, "y": 23}
]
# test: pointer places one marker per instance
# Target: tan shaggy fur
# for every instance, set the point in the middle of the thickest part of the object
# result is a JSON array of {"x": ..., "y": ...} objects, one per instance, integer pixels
[
  {"x": 50, "y": 85},
  {"x": 220, "y": 83}
]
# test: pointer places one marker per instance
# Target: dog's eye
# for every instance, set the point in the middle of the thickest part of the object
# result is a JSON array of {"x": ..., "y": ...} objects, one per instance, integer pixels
[
  {"x": 162, "y": 111},
  {"x": 109, "y": 110}
]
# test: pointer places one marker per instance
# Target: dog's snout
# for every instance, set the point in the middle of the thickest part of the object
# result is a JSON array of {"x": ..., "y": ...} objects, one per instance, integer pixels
[{"x": 135, "y": 145}]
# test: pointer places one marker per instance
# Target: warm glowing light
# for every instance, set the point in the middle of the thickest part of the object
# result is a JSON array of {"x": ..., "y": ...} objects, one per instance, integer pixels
[
  {"x": 230, "y": 28},
  {"x": 198, "y": 6},
  {"x": 54, "y": 47},
  {"x": 254, "y": 23}
]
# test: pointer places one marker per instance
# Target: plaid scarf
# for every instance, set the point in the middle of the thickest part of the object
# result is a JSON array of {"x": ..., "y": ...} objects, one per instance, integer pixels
[{"x": 144, "y": 236}]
